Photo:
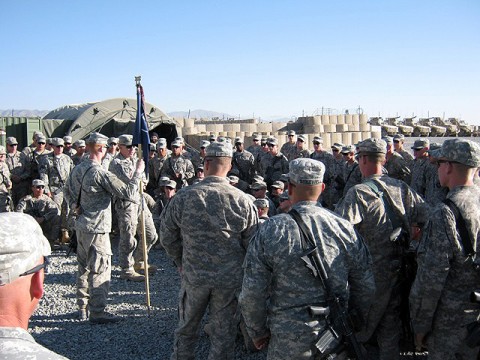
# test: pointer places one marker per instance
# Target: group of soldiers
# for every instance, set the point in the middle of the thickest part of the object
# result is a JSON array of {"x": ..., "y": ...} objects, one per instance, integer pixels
[{"x": 382, "y": 221}]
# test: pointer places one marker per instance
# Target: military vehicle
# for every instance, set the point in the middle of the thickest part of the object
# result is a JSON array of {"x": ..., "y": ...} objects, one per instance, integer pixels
[
  {"x": 387, "y": 130},
  {"x": 418, "y": 129},
  {"x": 406, "y": 130},
  {"x": 436, "y": 130},
  {"x": 452, "y": 129},
  {"x": 463, "y": 128}
]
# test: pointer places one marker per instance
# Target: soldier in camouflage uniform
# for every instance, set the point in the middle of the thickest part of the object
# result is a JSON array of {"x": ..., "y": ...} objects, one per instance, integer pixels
[
  {"x": 435, "y": 193},
  {"x": 127, "y": 210},
  {"x": 277, "y": 163},
  {"x": 395, "y": 164},
  {"x": 112, "y": 151},
  {"x": 421, "y": 166},
  {"x": 364, "y": 208},
  {"x": 177, "y": 167},
  {"x": 96, "y": 186},
  {"x": 30, "y": 148},
  {"x": 255, "y": 148},
  {"x": 80, "y": 155},
  {"x": 68, "y": 146},
  {"x": 398, "y": 141},
  {"x": 5, "y": 183},
  {"x": 209, "y": 252},
  {"x": 159, "y": 161},
  {"x": 42, "y": 209},
  {"x": 16, "y": 162},
  {"x": 262, "y": 208},
  {"x": 351, "y": 172},
  {"x": 328, "y": 198},
  {"x": 262, "y": 158},
  {"x": 244, "y": 161},
  {"x": 447, "y": 273},
  {"x": 289, "y": 149},
  {"x": 33, "y": 158},
  {"x": 278, "y": 288},
  {"x": 259, "y": 191},
  {"x": 301, "y": 151},
  {"x": 23, "y": 252}
]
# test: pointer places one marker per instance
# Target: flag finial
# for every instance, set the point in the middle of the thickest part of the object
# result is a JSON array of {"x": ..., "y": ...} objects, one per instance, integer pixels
[{"x": 137, "y": 80}]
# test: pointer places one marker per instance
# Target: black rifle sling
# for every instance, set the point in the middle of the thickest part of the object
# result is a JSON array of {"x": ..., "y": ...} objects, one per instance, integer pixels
[{"x": 461, "y": 228}]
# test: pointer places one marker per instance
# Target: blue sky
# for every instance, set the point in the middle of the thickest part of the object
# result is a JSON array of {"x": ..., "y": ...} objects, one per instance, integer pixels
[{"x": 268, "y": 58}]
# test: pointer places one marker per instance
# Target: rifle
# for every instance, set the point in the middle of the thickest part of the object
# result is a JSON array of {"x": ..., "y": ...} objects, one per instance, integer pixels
[{"x": 339, "y": 333}]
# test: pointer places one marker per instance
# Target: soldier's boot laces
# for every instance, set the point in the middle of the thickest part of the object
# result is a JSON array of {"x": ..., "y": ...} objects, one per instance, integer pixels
[
  {"x": 132, "y": 275},
  {"x": 103, "y": 318}
]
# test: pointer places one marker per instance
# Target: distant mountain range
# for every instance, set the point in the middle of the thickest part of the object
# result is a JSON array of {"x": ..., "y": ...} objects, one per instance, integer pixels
[{"x": 206, "y": 114}]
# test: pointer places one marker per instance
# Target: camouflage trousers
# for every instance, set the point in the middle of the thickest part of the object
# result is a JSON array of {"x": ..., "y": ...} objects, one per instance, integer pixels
[
  {"x": 383, "y": 323},
  {"x": 51, "y": 228},
  {"x": 224, "y": 316},
  {"x": 127, "y": 215},
  {"x": 290, "y": 343},
  {"x": 151, "y": 235},
  {"x": 94, "y": 257},
  {"x": 59, "y": 199},
  {"x": 447, "y": 339}
]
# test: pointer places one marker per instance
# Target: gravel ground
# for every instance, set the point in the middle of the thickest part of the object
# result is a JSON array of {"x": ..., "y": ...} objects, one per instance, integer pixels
[{"x": 136, "y": 337}]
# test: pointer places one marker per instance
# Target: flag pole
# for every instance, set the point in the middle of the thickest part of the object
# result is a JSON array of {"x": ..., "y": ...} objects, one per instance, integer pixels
[{"x": 142, "y": 212}]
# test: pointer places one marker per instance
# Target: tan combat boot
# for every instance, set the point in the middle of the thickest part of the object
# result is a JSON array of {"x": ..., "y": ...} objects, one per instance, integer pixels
[
  {"x": 140, "y": 267},
  {"x": 131, "y": 275}
]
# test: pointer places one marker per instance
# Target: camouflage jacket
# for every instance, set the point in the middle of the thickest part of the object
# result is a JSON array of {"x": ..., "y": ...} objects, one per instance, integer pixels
[
  {"x": 407, "y": 156},
  {"x": 54, "y": 171},
  {"x": 351, "y": 175},
  {"x": 327, "y": 159},
  {"x": 254, "y": 150},
  {"x": 5, "y": 182},
  {"x": 17, "y": 164},
  {"x": 275, "y": 167},
  {"x": 244, "y": 162},
  {"x": 97, "y": 186},
  {"x": 38, "y": 207},
  {"x": 206, "y": 228},
  {"x": 107, "y": 159},
  {"x": 178, "y": 165},
  {"x": 397, "y": 167},
  {"x": 33, "y": 160},
  {"x": 420, "y": 168},
  {"x": 289, "y": 150},
  {"x": 434, "y": 192},
  {"x": 278, "y": 288},
  {"x": 157, "y": 164},
  {"x": 445, "y": 276},
  {"x": 366, "y": 211}
]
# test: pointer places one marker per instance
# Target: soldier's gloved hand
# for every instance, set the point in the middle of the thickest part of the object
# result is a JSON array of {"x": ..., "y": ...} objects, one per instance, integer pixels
[{"x": 140, "y": 166}]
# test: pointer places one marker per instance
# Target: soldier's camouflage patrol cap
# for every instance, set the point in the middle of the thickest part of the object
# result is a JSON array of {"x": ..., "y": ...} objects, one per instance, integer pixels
[
  {"x": 219, "y": 149},
  {"x": 68, "y": 139},
  {"x": 278, "y": 185},
  {"x": 171, "y": 184},
  {"x": 337, "y": 146},
  {"x": 317, "y": 139},
  {"x": 256, "y": 178},
  {"x": 212, "y": 137},
  {"x": 58, "y": 142},
  {"x": 399, "y": 137},
  {"x": 163, "y": 180},
  {"x": 161, "y": 144},
  {"x": 258, "y": 185},
  {"x": 257, "y": 137},
  {"x": 291, "y": 132},
  {"x": 12, "y": 141},
  {"x": 348, "y": 149},
  {"x": 461, "y": 151},
  {"x": 82, "y": 143},
  {"x": 49, "y": 141},
  {"x": 306, "y": 171},
  {"x": 94, "y": 138},
  {"x": 388, "y": 139},
  {"x": 301, "y": 138},
  {"x": 125, "y": 139},
  {"x": 238, "y": 140},
  {"x": 112, "y": 140},
  {"x": 435, "y": 146},
  {"x": 272, "y": 141},
  {"x": 181, "y": 139},
  {"x": 176, "y": 143},
  {"x": 36, "y": 133},
  {"x": 420, "y": 144},
  {"x": 152, "y": 147},
  {"x": 38, "y": 182},
  {"x": 2, "y": 150},
  {"x": 284, "y": 177},
  {"x": 41, "y": 139},
  {"x": 22, "y": 244},
  {"x": 372, "y": 146},
  {"x": 261, "y": 203},
  {"x": 204, "y": 144}
]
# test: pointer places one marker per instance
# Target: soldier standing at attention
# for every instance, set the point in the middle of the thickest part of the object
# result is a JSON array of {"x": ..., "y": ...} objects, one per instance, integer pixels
[
  {"x": 23, "y": 262},
  {"x": 289, "y": 149},
  {"x": 16, "y": 162},
  {"x": 5, "y": 183},
  {"x": 127, "y": 210},
  {"x": 366, "y": 206},
  {"x": 68, "y": 149},
  {"x": 278, "y": 288},
  {"x": 80, "y": 154},
  {"x": 177, "y": 167},
  {"x": 421, "y": 166},
  {"x": 94, "y": 186},
  {"x": 448, "y": 269},
  {"x": 398, "y": 141},
  {"x": 209, "y": 252},
  {"x": 395, "y": 164},
  {"x": 33, "y": 158}
]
